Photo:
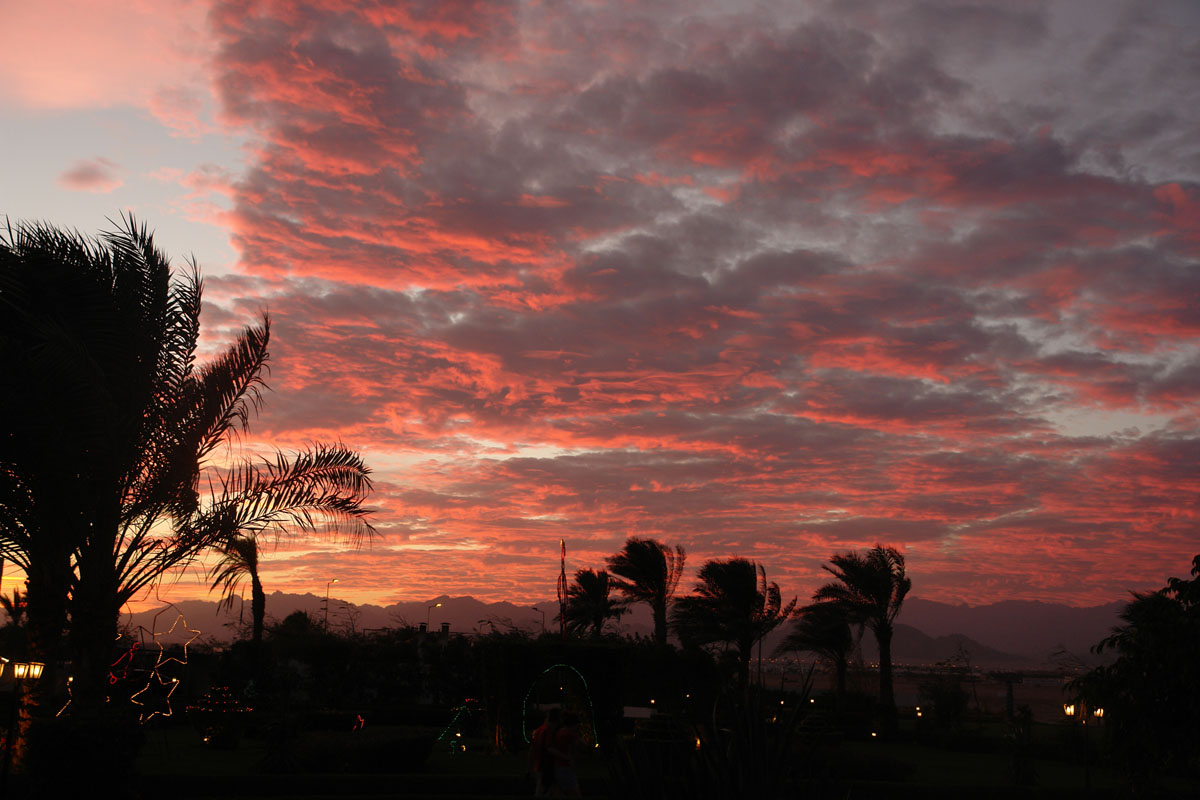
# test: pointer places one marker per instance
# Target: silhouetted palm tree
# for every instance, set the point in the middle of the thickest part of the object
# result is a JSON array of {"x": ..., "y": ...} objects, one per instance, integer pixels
[
  {"x": 648, "y": 572},
  {"x": 871, "y": 588},
  {"x": 99, "y": 483},
  {"x": 1149, "y": 689},
  {"x": 590, "y": 603},
  {"x": 732, "y": 604},
  {"x": 14, "y": 606},
  {"x": 239, "y": 561},
  {"x": 823, "y": 629},
  {"x": 280, "y": 497}
]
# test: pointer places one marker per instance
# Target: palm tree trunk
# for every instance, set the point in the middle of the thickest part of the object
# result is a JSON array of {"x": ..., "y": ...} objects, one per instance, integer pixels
[
  {"x": 258, "y": 610},
  {"x": 839, "y": 698},
  {"x": 887, "y": 698},
  {"x": 745, "y": 656},
  {"x": 660, "y": 622}
]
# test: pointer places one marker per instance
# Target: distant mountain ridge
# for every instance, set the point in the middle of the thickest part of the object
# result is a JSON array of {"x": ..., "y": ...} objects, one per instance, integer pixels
[
  {"x": 1007, "y": 633},
  {"x": 1028, "y": 628}
]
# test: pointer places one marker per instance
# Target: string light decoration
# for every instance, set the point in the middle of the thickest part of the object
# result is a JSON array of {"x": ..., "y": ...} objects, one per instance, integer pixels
[
  {"x": 217, "y": 716},
  {"x": 160, "y": 687},
  {"x": 70, "y": 697},
  {"x": 158, "y": 691},
  {"x": 127, "y": 657},
  {"x": 452, "y": 733},
  {"x": 587, "y": 712},
  {"x": 163, "y": 659}
]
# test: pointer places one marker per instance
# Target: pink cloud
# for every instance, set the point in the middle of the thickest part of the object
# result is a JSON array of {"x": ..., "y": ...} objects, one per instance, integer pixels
[
  {"x": 99, "y": 53},
  {"x": 93, "y": 175}
]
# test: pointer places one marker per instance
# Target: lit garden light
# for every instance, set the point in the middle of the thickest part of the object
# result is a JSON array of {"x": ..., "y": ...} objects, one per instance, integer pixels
[
  {"x": 1079, "y": 711},
  {"x": 23, "y": 672}
]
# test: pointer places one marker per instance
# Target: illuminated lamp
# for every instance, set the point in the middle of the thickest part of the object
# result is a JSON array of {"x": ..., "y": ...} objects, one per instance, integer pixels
[
  {"x": 35, "y": 670},
  {"x": 1098, "y": 713},
  {"x": 20, "y": 670},
  {"x": 1069, "y": 709}
]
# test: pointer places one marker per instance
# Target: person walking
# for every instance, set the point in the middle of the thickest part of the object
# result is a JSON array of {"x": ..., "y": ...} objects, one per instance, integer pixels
[
  {"x": 565, "y": 746},
  {"x": 542, "y": 762}
]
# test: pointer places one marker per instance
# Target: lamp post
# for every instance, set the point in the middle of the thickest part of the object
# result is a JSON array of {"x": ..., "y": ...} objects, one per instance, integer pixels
[
  {"x": 326, "y": 623},
  {"x": 428, "y": 612},
  {"x": 23, "y": 672},
  {"x": 1079, "y": 710},
  {"x": 543, "y": 613}
]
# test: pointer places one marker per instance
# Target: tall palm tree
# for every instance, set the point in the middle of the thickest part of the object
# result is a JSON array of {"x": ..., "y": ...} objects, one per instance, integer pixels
[
  {"x": 733, "y": 604},
  {"x": 871, "y": 587},
  {"x": 590, "y": 602},
  {"x": 823, "y": 629},
  {"x": 99, "y": 484},
  {"x": 648, "y": 572}
]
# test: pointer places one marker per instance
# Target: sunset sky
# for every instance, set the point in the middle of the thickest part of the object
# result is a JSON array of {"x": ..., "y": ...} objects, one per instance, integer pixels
[{"x": 774, "y": 280}]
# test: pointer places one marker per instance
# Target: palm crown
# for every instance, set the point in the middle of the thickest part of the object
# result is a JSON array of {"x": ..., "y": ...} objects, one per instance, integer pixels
[
  {"x": 100, "y": 484},
  {"x": 648, "y": 572},
  {"x": 732, "y": 603}
]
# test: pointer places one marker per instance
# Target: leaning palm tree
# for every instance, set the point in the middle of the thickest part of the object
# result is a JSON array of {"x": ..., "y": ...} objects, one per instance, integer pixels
[
  {"x": 590, "y": 602},
  {"x": 239, "y": 562},
  {"x": 318, "y": 488},
  {"x": 823, "y": 629},
  {"x": 871, "y": 588},
  {"x": 733, "y": 605},
  {"x": 648, "y": 572},
  {"x": 100, "y": 484}
]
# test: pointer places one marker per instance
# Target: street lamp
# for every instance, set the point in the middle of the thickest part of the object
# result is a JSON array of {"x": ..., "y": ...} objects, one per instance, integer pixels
[
  {"x": 543, "y": 613},
  {"x": 331, "y": 583},
  {"x": 429, "y": 611},
  {"x": 1080, "y": 710},
  {"x": 23, "y": 672}
]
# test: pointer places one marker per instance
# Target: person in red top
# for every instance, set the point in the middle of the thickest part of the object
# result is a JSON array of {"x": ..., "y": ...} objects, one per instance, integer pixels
[
  {"x": 565, "y": 747},
  {"x": 541, "y": 760}
]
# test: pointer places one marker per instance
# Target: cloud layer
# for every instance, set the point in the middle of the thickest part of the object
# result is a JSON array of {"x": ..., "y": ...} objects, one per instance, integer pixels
[{"x": 774, "y": 284}]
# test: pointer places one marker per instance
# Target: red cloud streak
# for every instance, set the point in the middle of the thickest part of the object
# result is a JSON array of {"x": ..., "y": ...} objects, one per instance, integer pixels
[{"x": 756, "y": 286}]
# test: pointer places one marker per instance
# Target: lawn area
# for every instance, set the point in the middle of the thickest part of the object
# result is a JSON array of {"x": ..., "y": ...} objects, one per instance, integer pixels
[
  {"x": 174, "y": 759},
  {"x": 196, "y": 770}
]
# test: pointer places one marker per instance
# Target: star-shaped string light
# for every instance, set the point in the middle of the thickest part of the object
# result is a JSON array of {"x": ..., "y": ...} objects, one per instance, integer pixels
[
  {"x": 157, "y": 684},
  {"x": 163, "y": 658},
  {"x": 156, "y": 694},
  {"x": 157, "y": 691}
]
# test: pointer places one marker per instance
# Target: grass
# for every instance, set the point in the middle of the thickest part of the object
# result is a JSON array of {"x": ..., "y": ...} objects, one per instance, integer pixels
[{"x": 175, "y": 759}]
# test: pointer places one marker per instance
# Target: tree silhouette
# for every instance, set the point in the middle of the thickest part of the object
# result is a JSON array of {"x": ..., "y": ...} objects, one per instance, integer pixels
[
  {"x": 14, "y": 607},
  {"x": 823, "y": 629},
  {"x": 239, "y": 561},
  {"x": 648, "y": 572},
  {"x": 871, "y": 588},
  {"x": 1151, "y": 692},
  {"x": 99, "y": 485},
  {"x": 733, "y": 604},
  {"x": 590, "y": 603}
]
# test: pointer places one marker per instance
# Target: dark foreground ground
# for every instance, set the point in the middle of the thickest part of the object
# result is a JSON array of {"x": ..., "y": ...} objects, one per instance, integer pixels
[{"x": 175, "y": 762}]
